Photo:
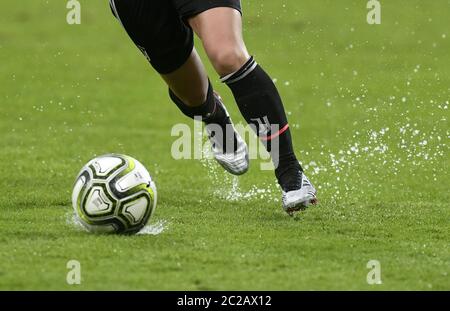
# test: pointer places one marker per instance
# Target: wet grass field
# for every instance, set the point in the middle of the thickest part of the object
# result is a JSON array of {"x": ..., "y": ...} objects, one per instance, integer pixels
[{"x": 368, "y": 107}]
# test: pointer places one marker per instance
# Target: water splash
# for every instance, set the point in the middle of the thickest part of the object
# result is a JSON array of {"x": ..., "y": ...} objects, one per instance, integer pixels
[
  {"x": 151, "y": 229},
  {"x": 227, "y": 187},
  {"x": 154, "y": 229},
  {"x": 73, "y": 221}
]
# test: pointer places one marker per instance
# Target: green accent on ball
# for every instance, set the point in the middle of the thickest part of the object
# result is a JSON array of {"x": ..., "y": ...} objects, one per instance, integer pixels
[
  {"x": 115, "y": 169},
  {"x": 152, "y": 193}
]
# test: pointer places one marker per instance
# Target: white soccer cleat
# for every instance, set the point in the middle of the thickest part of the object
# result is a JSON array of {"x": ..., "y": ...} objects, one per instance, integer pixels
[
  {"x": 300, "y": 199},
  {"x": 235, "y": 162}
]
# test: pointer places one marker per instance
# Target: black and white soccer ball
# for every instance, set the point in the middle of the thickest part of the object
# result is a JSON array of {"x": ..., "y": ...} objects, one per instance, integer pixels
[{"x": 114, "y": 193}]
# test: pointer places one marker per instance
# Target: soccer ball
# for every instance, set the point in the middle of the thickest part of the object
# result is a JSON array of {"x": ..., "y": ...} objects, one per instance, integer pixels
[{"x": 114, "y": 193}]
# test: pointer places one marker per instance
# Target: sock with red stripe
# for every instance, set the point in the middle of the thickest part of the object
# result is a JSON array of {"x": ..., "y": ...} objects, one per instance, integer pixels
[{"x": 261, "y": 106}]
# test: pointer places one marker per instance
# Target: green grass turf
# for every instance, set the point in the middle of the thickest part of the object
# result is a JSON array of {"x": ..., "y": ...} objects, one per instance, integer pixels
[{"x": 368, "y": 107}]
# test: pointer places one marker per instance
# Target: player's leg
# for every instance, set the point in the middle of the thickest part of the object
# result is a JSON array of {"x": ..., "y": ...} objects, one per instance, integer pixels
[
  {"x": 189, "y": 82},
  {"x": 220, "y": 30},
  {"x": 228, "y": 147},
  {"x": 158, "y": 31}
]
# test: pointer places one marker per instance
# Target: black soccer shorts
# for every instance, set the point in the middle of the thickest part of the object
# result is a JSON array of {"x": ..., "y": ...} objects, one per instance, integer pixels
[{"x": 158, "y": 27}]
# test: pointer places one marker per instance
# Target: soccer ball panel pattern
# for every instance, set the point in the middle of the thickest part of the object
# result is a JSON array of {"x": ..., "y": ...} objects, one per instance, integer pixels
[{"x": 114, "y": 194}]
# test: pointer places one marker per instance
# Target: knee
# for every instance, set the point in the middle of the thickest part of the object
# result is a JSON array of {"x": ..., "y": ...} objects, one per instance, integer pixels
[{"x": 227, "y": 60}]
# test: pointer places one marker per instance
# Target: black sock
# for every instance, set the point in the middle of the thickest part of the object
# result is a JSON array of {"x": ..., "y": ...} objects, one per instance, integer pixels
[
  {"x": 212, "y": 113},
  {"x": 261, "y": 106}
]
